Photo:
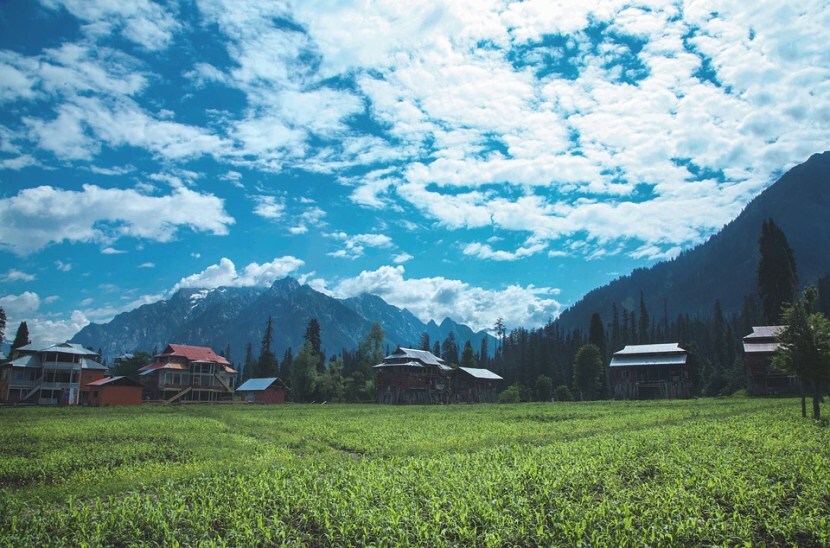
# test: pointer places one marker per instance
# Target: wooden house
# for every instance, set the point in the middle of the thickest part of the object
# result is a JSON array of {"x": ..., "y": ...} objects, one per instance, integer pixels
[
  {"x": 475, "y": 385},
  {"x": 419, "y": 376},
  {"x": 762, "y": 379},
  {"x": 412, "y": 376},
  {"x": 188, "y": 373},
  {"x": 265, "y": 390},
  {"x": 49, "y": 374},
  {"x": 650, "y": 371},
  {"x": 112, "y": 391}
]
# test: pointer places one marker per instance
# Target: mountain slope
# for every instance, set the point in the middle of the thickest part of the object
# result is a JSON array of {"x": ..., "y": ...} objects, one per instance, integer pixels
[
  {"x": 236, "y": 316},
  {"x": 724, "y": 267}
]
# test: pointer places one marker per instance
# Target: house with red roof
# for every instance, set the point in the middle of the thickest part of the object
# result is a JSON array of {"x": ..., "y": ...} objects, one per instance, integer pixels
[{"x": 188, "y": 373}]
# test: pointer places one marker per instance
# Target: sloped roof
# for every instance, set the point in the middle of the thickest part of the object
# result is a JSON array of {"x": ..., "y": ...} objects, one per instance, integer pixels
[
  {"x": 258, "y": 385},
  {"x": 26, "y": 360},
  {"x": 86, "y": 363},
  {"x": 764, "y": 332},
  {"x": 643, "y": 360},
  {"x": 480, "y": 373},
  {"x": 63, "y": 348},
  {"x": 115, "y": 381},
  {"x": 424, "y": 356},
  {"x": 641, "y": 349},
  {"x": 410, "y": 363},
  {"x": 193, "y": 353}
]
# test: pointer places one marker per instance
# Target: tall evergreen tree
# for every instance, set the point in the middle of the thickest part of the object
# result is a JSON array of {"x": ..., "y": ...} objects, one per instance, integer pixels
[
  {"x": 615, "y": 329},
  {"x": 777, "y": 276},
  {"x": 468, "y": 356},
  {"x": 2, "y": 325},
  {"x": 632, "y": 327},
  {"x": 823, "y": 304},
  {"x": 287, "y": 365},
  {"x": 267, "y": 365},
  {"x": 449, "y": 349},
  {"x": 424, "y": 344},
  {"x": 312, "y": 336},
  {"x": 21, "y": 338},
  {"x": 484, "y": 354},
  {"x": 249, "y": 368},
  {"x": 645, "y": 321},
  {"x": 436, "y": 349},
  {"x": 596, "y": 335},
  {"x": 304, "y": 373}
]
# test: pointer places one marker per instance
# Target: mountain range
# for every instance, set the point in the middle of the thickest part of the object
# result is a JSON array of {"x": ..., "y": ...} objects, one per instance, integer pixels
[
  {"x": 236, "y": 316},
  {"x": 725, "y": 266}
]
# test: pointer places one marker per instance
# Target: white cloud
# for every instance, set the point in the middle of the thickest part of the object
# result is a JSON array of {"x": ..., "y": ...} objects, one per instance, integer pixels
[
  {"x": 49, "y": 330},
  {"x": 144, "y": 22},
  {"x": 484, "y": 251},
  {"x": 147, "y": 265},
  {"x": 355, "y": 244},
  {"x": 38, "y": 216},
  {"x": 311, "y": 217},
  {"x": 19, "y": 307},
  {"x": 436, "y": 298},
  {"x": 268, "y": 207},
  {"x": 62, "y": 266},
  {"x": 14, "y": 275},
  {"x": 254, "y": 274},
  {"x": 112, "y": 251},
  {"x": 401, "y": 258}
]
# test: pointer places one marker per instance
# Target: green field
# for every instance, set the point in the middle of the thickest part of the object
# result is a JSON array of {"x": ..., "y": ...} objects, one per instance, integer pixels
[{"x": 724, "y": 471}]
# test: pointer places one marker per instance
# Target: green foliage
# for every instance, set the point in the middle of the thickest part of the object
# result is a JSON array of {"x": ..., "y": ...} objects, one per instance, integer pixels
[
  {"x": 468, "y": 356},
  {"x": 21, "y": 338},
  {"x": 544, "y": 388},
  {"x": 2, "y": 324},
  {"x": 304, "y": 373},
  {"x": 588, "y": 372},
  {"x": 511, "y": 394},
  {"x": 805, "y": 346},
  {"x": 682, "y": 473},
  {"x": 130, "y": 367},
  {"x": 563, "y": 393},
  {"x": 777, "y": 278}
]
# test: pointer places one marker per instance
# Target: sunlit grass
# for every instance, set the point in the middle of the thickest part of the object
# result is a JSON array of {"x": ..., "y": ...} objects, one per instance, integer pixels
[{"x": 682, "y": 472}]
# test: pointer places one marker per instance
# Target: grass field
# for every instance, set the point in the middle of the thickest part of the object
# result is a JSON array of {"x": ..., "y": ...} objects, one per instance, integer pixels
[{"x": 725, "y": 471}]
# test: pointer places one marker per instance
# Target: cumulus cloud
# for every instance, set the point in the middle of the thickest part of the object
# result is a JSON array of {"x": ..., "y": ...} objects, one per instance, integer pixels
[
  {"x": 38, "y": 216},
  {"x": 355, "y": 244},
  {"x": 311, "y": 217},
  {"x": 254, "y": 274},
  {"x": 435, "y": 298},
  {"x": 484, "y": 251},
  {"x": 401, "y": 258},
  {"x": 18, "y": 307},
  {"x": 268, "y": 207},
  {"x": 14, "y": 275}
]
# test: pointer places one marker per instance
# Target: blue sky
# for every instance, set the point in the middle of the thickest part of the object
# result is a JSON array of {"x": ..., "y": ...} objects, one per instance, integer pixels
[{"x": 471, "y": 159}]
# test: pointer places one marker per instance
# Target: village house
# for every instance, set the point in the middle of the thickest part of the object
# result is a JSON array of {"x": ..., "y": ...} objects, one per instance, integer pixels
[
  {"x": 265, "y": 390},
  {"x": 475, "y": 385},
  {"x": 762, "y": 379},
  {"x": 188, "y": 373},
  {"x": 49, "y": 374},
  {"x": 114, "y": 391},
  {"x": 650, "y": 371},
  {"x": 419, "y": 376}
]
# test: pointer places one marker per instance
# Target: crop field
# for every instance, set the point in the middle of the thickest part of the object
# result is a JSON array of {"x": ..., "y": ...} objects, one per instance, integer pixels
[{"x": 719, "y": 471}]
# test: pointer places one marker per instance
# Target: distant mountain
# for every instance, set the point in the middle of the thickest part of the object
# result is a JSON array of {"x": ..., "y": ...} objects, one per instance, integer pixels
[
  {"x": 237, "y": 315},
  {"x": 724, "y": 267}
]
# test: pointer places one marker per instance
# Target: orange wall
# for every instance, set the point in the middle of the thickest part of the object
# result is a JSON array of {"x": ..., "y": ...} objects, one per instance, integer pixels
[{"x": 114, "y": 395}]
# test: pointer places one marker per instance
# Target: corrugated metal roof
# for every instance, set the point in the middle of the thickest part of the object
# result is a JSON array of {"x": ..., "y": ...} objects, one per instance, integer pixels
[
  {"x": 760, "y": 348},
  {"x": 424, "y": 356},
  {"x": 86, "y": 363},
  {"x": 115, "y": 381},
  {"x": 257, "y": 385},
  {"x": 193, "y": 353},
  {"x": 26, "y": 360},
  {"x": 480, "y": 373},
  {"x": 649, "y": 349},
  {"x": 405, "y": 364},
  {"x": 764, "y": 332},
  {"x": 639, "y": 361},
  {"x": 63, "y": 348}
]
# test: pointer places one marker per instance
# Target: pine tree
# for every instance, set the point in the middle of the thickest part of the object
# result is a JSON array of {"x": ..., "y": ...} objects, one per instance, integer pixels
[
  {"x": 449, "y": 349},
  {"x": 777, "y": 276},
  {"x": 436, "y": 349},
  {"x": 267, "y": 366},
  {"x": 249, "y": 368},
  {"x": 616, "y": 343},
  {"x": 304, "y": 373},
  {"x": 287, "y": 365},
  {"x": 587, "y": 370},
  {"x": 2, "y": 325},
  {"x": 596, "y": 335},
  {"x": 632, "y": 326},
  {"x": 21, "y": 338},
  {"x": 468, "y": 356},
  {"x": 424, "y": 345},
  {"x": 312, "y": 335},
  {"x": 645, "y": 321},
  {"x": 484, "y": 354}
]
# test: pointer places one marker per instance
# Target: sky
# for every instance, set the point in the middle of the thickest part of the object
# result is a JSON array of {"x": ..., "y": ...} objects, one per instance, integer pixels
[{"x": 472, "y": 159}]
